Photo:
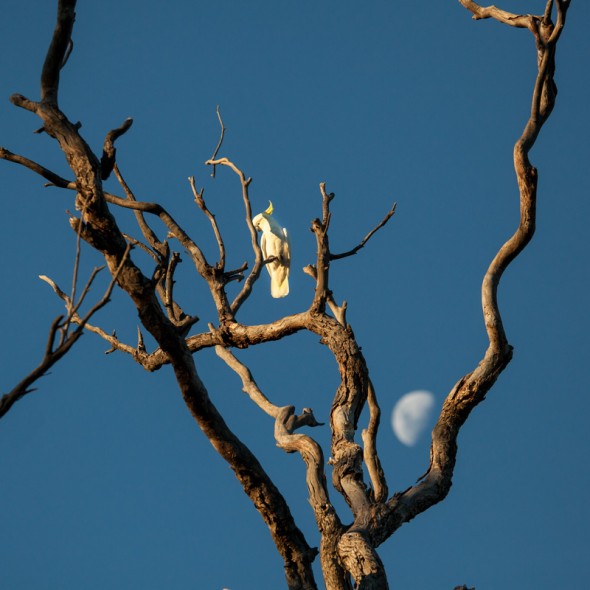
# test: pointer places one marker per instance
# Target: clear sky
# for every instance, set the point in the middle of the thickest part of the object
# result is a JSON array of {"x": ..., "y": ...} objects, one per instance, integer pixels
[{"x": 106, "y": 481}]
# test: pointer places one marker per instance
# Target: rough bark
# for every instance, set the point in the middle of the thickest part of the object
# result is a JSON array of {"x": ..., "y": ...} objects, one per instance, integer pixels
[
  {"x": 347, "y": 551},
  {"x": 98, "y": 227}
]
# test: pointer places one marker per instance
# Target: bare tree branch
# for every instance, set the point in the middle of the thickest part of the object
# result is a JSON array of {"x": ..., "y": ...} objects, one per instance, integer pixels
[
  {"x": 201, "y": 203},
  {"x": 367, "y": 237},
  {"x": 246, "y": 290},
  {"x": 514, "y": 20},
  {"x": 53, "y": 178},
  {"x": 345, "y": 550},
  {"x": 59, "y": 50},
  {"x": 249, "y": 385},
  {"x": 471, "y": 389},
  {"x": 322, "y": 266},
  {"x": 72, "y": 305},
  {"x": 371, "y": 458},
  {"x": 148, "y": 233},
  {"x": 68, "y": 339},
  {"x": 286, "y": 423},
  {"x": 101, "y": 231},
  {"x": 150, "y": 362},
  {"x": 109, "y": 152},
  {"x": 166, "y": 263},
  {"x": 222, "y": 135}
]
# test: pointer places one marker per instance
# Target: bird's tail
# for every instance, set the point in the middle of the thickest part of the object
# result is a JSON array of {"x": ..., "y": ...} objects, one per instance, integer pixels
[{"x": 279, "y": 282}]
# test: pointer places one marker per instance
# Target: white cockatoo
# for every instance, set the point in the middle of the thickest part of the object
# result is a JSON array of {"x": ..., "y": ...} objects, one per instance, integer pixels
[{"x": 275, "y": 242}]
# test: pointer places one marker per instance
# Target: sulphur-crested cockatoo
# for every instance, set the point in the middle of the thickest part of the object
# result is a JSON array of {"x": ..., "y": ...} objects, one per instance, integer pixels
[{"x": 275, "y": 242}]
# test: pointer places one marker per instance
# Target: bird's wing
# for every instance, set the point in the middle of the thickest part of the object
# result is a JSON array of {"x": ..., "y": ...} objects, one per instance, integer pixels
[
  {"x": 263, "y": 245},
  {"x": 286, "y": 248},
  {"x": 273, "y": 245},
  {"x": 275, "y": 241}
]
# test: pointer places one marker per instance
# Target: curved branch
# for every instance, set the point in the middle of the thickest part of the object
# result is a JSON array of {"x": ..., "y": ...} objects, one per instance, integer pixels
[
  {"x": 148, "y": 233},
  {"x": 387, "y": 217},
  {"x": 203, "y": 207},
  {"x": 102, "y": 232},
  {"x": 369, "y": 436},
  {"x": 328, "y": 522},
  {"x": 59, "y": 51},
  {"x": 259, "y": 262},
  {"x": 53, "y": 178},
  {"x": 109, "y": 151},
  {"x": 174, "y": 228},
  {"x": 249, "y": 386},
  {"x": 473, "y": 387},
  {"x": 286, "y": 423},
  {"x": 161, "y": 254},
  {"x": 221, "y": 136},
  {"x": 290, "y": 542}
]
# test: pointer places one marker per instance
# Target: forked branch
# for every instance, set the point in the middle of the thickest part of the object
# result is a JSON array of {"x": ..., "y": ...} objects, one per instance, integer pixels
[
  {"x": 471, "y": 389},
  {"x": 259, "y": 261},
  {"x": 67, "y": 339},
  {"x": 345, "y": 549},
  {"x": 200, "y": 201}
]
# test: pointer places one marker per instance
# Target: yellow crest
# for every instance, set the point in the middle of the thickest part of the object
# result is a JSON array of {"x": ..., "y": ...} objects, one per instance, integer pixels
[{"x": 270, "y": 208}]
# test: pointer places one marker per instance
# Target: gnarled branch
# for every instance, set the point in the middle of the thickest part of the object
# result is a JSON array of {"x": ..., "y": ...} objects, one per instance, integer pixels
[{"x": 471, "y": 389}]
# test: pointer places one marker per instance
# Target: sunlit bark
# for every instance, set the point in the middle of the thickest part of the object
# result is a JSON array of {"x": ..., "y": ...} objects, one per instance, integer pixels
[{"x": 348, "y": 552}]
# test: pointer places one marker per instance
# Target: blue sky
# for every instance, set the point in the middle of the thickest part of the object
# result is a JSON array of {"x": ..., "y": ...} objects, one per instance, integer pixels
[{"x": 106, "y": 480}]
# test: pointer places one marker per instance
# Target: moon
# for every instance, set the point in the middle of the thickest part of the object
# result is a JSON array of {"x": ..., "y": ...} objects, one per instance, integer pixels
[{"x": 411, "y": 415}]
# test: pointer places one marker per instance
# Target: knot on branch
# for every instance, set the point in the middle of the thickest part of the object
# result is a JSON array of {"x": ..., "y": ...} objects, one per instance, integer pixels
[
  {"x": 222, "y": 335},
  {"x": 317, "y": 227},
  {"x": 349, "y": 460}
]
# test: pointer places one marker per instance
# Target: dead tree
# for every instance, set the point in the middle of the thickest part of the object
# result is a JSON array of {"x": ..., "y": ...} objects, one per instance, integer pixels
[{"x": 348, "y": 551}]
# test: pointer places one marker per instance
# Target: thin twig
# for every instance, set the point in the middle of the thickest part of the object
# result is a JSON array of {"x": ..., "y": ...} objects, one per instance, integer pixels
[
  {"x": 220, "y": 140},
  {"x": 251, "y": 279},
  {"x": 76, "y": 267},
  {"x": 200, "y": 201},
  {"x": 109, "y": 152},
  {"x": 54, "y": 179},
  {"x": 135, "y": 242},
  {"x": 146, "y": 230},
  {"x": 51, "y": 355},
  {"x": 106, "y": 297},
  {"x": 387, "y": 217},
  {"x": 89, "y": 282}
]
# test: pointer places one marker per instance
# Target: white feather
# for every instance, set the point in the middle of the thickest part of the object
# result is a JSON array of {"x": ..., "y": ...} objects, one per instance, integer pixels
[{"x": 275, "y": 242}]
